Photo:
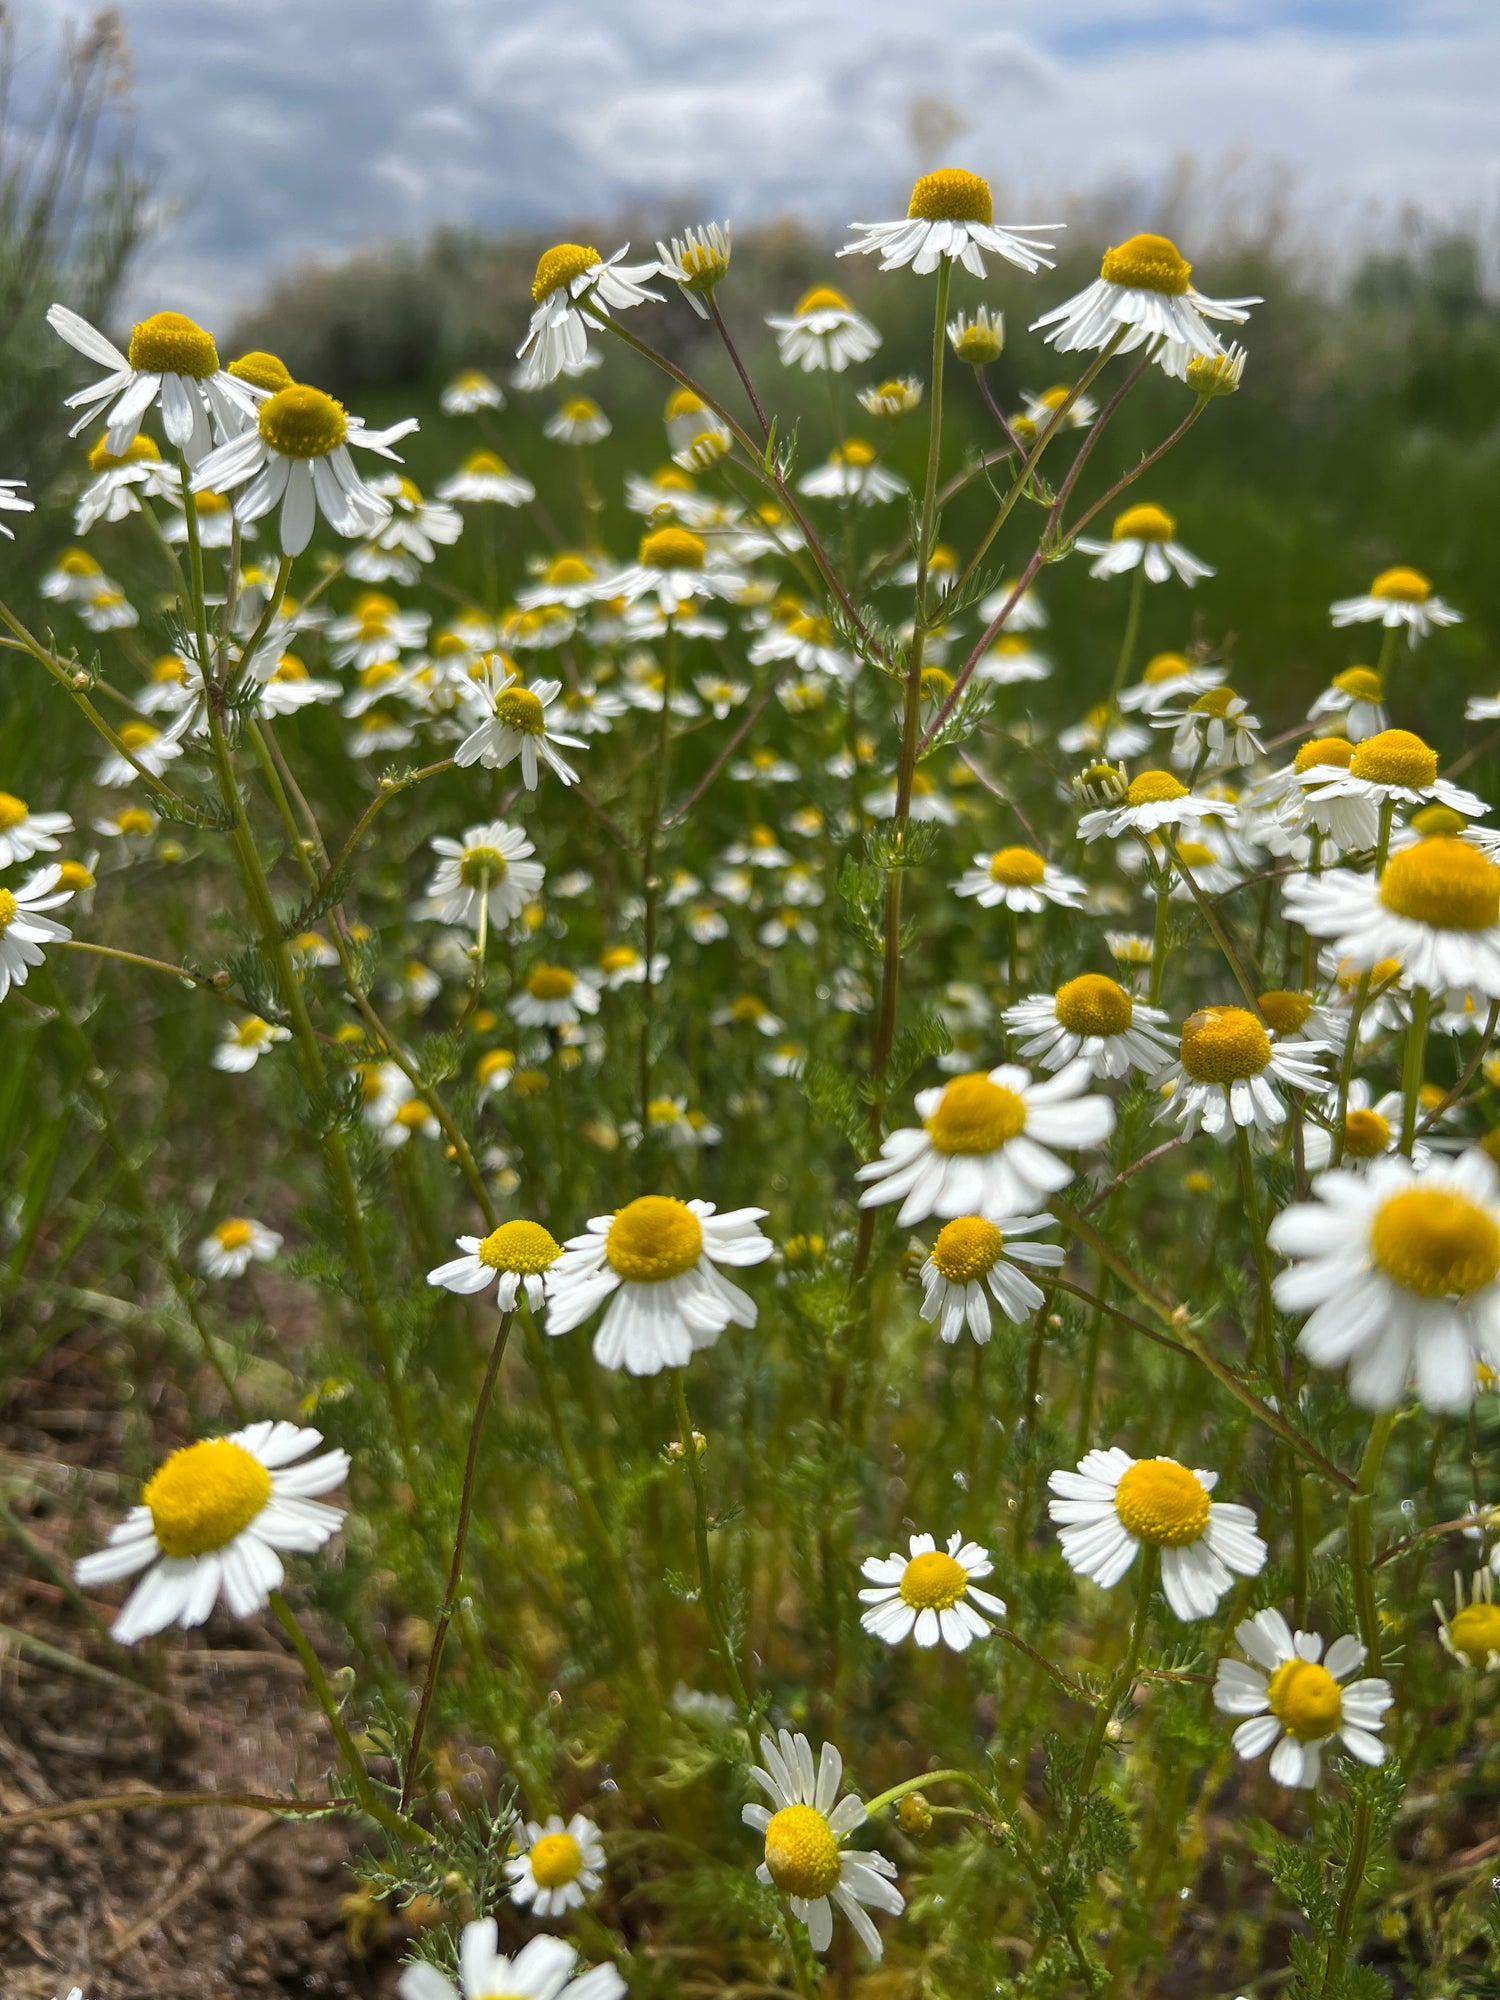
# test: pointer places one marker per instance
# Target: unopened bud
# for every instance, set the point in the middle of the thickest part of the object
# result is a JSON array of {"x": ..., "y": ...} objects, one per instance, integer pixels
[{"x": 914, "y": 1814}]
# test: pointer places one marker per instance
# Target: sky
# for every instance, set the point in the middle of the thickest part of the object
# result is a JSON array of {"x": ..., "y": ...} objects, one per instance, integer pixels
[{"x": 286, "y": 130}]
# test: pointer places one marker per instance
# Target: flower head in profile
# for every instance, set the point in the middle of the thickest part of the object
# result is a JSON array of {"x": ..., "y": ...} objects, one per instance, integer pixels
[
  {"x": 1113, "y": 1504},
  {"x": 514, "y": 1257},
  {"x": 656, "y": 1262},
  {"x": 1144, "y": 292},
  {"x": 1397, "y": 597},
  {"x": 485, "y": 479},
  {"x": 824, "y": 332},
  {"x": 214, "y": 1521},
  {"x": 1357, "y": 696},
  {"x": 559, "y": 1867},
  {"x": 24, "y": 833},
  {"x": 930, "y": 1595},
  {"x": 972, "y": 1256},
  {"x": 469, "y": 391},
  {"x": 173, "y": 362},
  {"x": 1018, "y": 878},
  {"x": 805, "y": 1856},
  {"x": 951, "y": 214},
  {"x": 24, "y": 926},
  {"x": 234, "y": 1244},
  {"x": 575, "y": 288},
  {"x": 241, "y": 1047},
  {"x": 1434, "y": 908},
  {"x": 554, "y": 997},
  {"x": 514, "y": 721},
  {"x": 1297, "y": 1698},
  {"x": 543, "y": 1969},
  {"x": 1471, "y": 1633},
  {"x": 1143, "y": 538},
  {"x": 851, "y": 472},
  {"x": 697, "y": 262},
  {"x": 1150, "y": 801},
  {"x": 977, "y": 338}
]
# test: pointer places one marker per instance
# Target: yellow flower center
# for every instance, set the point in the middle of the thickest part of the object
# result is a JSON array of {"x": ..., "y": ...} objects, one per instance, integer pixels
[
  {"x": 1166, "y": 667},
  {"x": 672, "y": 548},
  {"x": 1223, "y": 1044},
  {"x": 301, "y": 422},
  {"x": 136, "y": 735},
  {"x": 549, "y": 982},
  {"x": 556, "y": 1858},
  {"x": 966, "y": 1248},
  {"x": 1362, "y": 682},
  {"x": 12, "y": 811},
  {"x": 1094, "y": 1005},
  {"x": 233, "y": 1234},
  {"x": 8, "y": 908},
  {"x": 1285, "y": 1012},
  {"x": 1161, "y": 1502},
  {"x": 569, "y": 569},
  {"x": 580, "y": 410},
  {"x": 205, "y": 1495},
  {"x": 1147, "y": 263},
  {"x": 802, "y": 1856},
  {"x": 493, "y": 1061},
  {"x": 519, "y": 1246},
  {"x": 933, "y": 1582},
  {"x": 1366, "y": 1134},
  {"x": 1305, "y": 1700},
  {"x": 1195, "y": 854},
  {"x": 1017, "y": 867},
  {"x": 1382, "y": 972},
  {"x": 1216, "y": 701},
  {"x": 1145, "y": 524},
  {"x": 134, "y": 819},
  {"x": 951, "y": 195},
  {"x": 747, "y": 1008},
  {"x": 821, "y": 299},
  {"x": 1437, "y": 819},
  {"x": 485, "y": 461},
  {"x": 1154, "y": 788},
  {"x": 975, "y": 1116},
  {"x": 1436, "y": 1243},
  {"x": 652, "y": 1238},
  {"x": 518, "y": 708},
  {"x": 413, "y": 1114},
  {"x": 140, "y": 449},
  {"x": 73, "y": 875},
  {"x": 1443, "y": 882},
  {"x": 77, "y": 562},
  {"x": 560, "y": 266},
  {"x": 617, "y": 958},
  {"x": 1395, "y": 757},
  {"x": 289, "y": 668},
  {"x": 1324, "y": 750},
  {"x": 1475, "y": 1632},
  {"x": 172, "y": 344},
  {"x": 482, "y": 867},
  {"x": 1405, "y": 586},
  {"x": 262, "y": 370}
]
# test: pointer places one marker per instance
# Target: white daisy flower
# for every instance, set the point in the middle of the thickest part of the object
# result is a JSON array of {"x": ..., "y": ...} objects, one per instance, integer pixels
[
  {"x": 951, "y": 214},
  {"x": 622, "y": 965},
  {"x": 513, "y": 722},
  {"x": 1091, "y": 1018},
  {"x": 484, "y": 477},
  {"x": 1041, "y": 409},
  {"x": 554, "y": 997},
  {"x": 494, "y": 1071},
  {"x": 1113, "y": 1503},
  {"x": 121, "y": 483},
  {"x": 24, "y": 929},
  {"x": 930, "y": 1595},
  {"x": 1372, "y": 1128},
  {"x": 234, "y": 1245},
  {"x": 970, "y": 1255},
  {"x": 1102, "y": 733},
  {"x": 1393, "y": 767},
  {"x": 1397, "y": 1267},
  {"x": 469, "y": 391},
  {"x": 696, "y": 262},
  {"x": 151, "y": 749},
  {"x": 1027, "y": 614},
  {"x": 676, "y": 567},
  {"x": 577, "y": 421},
  {"x": 1215, "y": 727},
  {"x": 1472, "y": 1635},
  {"x": 289, "y": 687},
  {"x": 1152, "y": 800},
  {"x": 804, "y": 1855},
  {"x": 926, "y": 801},
  {"x": 1293, "y": 801},
  {"x": 1300, "y": 1699},
  {"x": 1357, "y": 694},
  {"x": 559, "y": 1867},
  {"x": 1397, "y": 597},
  {"x": 1142, "y": 538},
  {"x": 851, "y": 473},
  {"x": 516, "y": 1255},
  {"x": 487, "y": 866},
  {"x": 543, "y": 1969},
  {"x": 570, "y": 279},
  {"x": 417, "y": 528},
  {"x": 1144, "y": 285},
  {"x": 1168, "y": 678},
  {"x": 981, "y": 1148},
  {"x": 296, "y": 456},
  {"x": 1227, "y": 1071},
  {"x": 1435, "y": 907},
  {"x": 24, "y": 833},
  {"x": 1018, "y": 878},
  {"x": 172, "y": 361},
  {"x": 570, "y": 580},
  {"x": 210, "y": 1523},
  {"x": 242, "y": 1046},
  {"x": 977, "y": 339},
  {"x": 1010, "y": 660},
  {"x": 898, "y": 396},
  {"x": 824, "y": 332},
  {"x": 656, "y": 1261}
]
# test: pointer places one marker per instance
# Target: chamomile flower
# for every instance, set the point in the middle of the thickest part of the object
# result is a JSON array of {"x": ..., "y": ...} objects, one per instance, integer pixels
[
  {"x": 1434, "y": 907},
  {"x": 512, "y": 1257},
  {"x": 1113, "y": 1503},
  {"x": 926, "y": 801},
  {"x": 805, "y": 1856},
  {"x": 1143, "y": 538},
  {"x": 696, "y": 262},
  {"x": 1094, "y": 1019},
  {"x": 211, "y": 1522},
  {"x": 1144, "y": 287},
  {"x": 951, "y": 214},
  {"x": 296, "y": 456},
  {"x": 577, "y": 421},
  {"x": 896, "y": 397},
  {"x": 1018, "y": 878},
  {"x": 1472, "y": 1634},
  {"x": 1027, "y": 614},
  {"x": 1080, "y": 411},
  {"x": 1397, "y": 597},
  {"x": 120, "y": 483},
  {"x": 971, "y": 1255},
  {"x": 469, "y": 391},
  {"x": 1397, "y": 1267},
  {"x": 485, "y": 478},
  {"x": 1298, "y": 1698},
  {"x": 675, "y": 566},
  {"x": 288, "y": 686},
  {"x": 233, "y": 1245},
  {"x": 1227, "y": 1073},
  {"x": 1215, "y": 727},
  {"x": 1010, "y": 660},
  {"x": 656, "y": 1261},
  {"x": 979, "y": 338},
  {"x": 150, "y": 749},
  {"x": 1372, "y": 1128},
  {"x": 171, "y": 361},
  {"x": 1357, "y": 695},
  {"x": 488, "y": 865},
  {"x": 1169, "y": 678},
  {"x": 554, "y": 997},
  {"x": 1102, "y": 733},
  {"x": 1392, "y": 768},
  {"x": 512, "y": 721},
  {"x": 543, "y": 1969},
  {"x": 575, "y": 288},
  {"x": 24, "y": 833},
  {"x": 851, "y": 473},
  {"x": 1152, "y": 800},
  {"x": 559, "y": 1866},
  {"x": 930, "y": 1595},
  {"x": 982, "y": 1145},
  {"x": 823, "y": 332},
  {"x": 622, "y": 965},
  {"x": 25, "y": 929},
  {"x": 242, "y": 1046}
]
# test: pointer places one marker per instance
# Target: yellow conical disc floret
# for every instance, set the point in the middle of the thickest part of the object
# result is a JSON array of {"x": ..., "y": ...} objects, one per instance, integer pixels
[
  {"x": 1335, "y": 751},
  {"x": 1285, "y": 1012},
  {"x": 1402, "y": 586},
  {"x": 1017, "y": 867},
  {"x": 560, "y": 266},
  {"x": 933, "y": 1582},
  {"x": 519, "y": 709},
  {"x": 975, "y": 1116},
  {"x": 262, "y": 370},
  {"x": 1361, "y": 682},
  {"x": 520, "y": 1246},
  {"x": 951, "y": 195},
  {"x": 1094, "y": 1005},
  {"x": 556, "y": 1859},
  {"x": 1224, "y": 1044},
  {"x": 141, "y": 450},
  {"x": 302, "y": 422},
  {"x": 653, "y": 1238},
  {"x": 1166, "y": 667},
  {"x": 821, "y": 299},
  {"x": 1161, "y": 1502},
  {"x": 172, "y": 344},
  {"x": 1445, "y": 883},
  {"x": 1147, "y": 263},
  {"x": 1154, "y": 788},
  {"x": 1305, "y": 1699},
  {"x": 205, "y": 1495},
  {"x": 1144, "y": 524},
  {"x": 966, "y": 1248},
  {"x": 672, "y": 548},
  {"x": 1474, "y": 1632},
  {"x": 802, "y": 1855},
  {"x": 1435, "y": 1242},
  {"x": 1395, "y": 757}
]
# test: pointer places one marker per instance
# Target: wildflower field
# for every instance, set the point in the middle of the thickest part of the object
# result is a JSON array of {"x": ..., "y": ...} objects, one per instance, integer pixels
[{"x": 816, "y": 1248}]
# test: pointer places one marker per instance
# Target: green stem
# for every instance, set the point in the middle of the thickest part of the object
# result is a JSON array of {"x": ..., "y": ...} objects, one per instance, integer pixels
[
  {"x": 1360, "y": 1537},
  {"x": 1354, "y": 1882},
  {"x": 1127, "y": 650},
  {"x": 1411, "y": 1076},
  {"x": 1265, "y": 1316},
  {"x": 706, "y": 1583},
  {"x": 1119, "y": 1687}
]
